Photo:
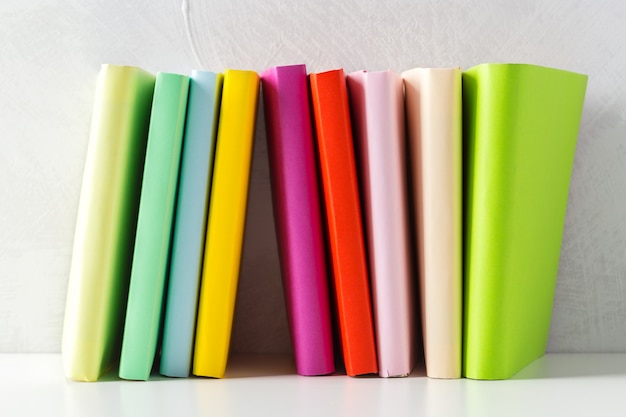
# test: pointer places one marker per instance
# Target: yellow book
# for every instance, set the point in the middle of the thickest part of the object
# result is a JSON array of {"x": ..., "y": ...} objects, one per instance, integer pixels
[{"x": 225, "y": 227}]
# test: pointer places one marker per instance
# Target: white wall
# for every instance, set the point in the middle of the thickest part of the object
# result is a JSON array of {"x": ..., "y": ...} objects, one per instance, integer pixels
[{"x": 50, "y": 53}]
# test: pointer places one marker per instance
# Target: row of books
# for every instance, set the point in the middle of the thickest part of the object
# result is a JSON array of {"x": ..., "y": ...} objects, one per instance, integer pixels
[{"x": 434, "y": 194}]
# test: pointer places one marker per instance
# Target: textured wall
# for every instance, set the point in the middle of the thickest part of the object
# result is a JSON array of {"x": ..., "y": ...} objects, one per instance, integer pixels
[{"x": 52, "y": 50}]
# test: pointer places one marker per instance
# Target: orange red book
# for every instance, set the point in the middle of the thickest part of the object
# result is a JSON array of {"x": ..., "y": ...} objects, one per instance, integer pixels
[{"x": 343, "y": 220}]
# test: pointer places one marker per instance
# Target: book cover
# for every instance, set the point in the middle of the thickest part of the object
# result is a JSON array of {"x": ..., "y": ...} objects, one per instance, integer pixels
[
  {"x": 225, "y": 229},
  {"x": 434, "y": 121},
  {"x": 196, "y": 170},
  {"x": 106, "y": 222},
  {"x": 377, "y": 105},
  {"x": 296, "y": 200},
  {"x": 344, "y": 225},
  {"x": 154, "y": 225},
  {"x": 520, "y": 125}
]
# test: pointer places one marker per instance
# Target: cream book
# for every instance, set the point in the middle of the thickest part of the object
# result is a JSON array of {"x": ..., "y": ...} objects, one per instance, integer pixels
[{"x": 434, "y": 120}]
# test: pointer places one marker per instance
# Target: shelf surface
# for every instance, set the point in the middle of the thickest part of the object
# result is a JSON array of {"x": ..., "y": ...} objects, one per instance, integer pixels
[{"x": 557, "y": 384}]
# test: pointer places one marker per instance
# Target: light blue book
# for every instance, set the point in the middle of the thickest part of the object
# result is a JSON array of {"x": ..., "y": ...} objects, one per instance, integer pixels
[{"x": 190, "y": 223}]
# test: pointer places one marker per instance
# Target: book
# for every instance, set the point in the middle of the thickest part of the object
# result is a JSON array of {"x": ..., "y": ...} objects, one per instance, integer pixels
[
  {"x": 196, "y": 170},
  {"x": 106, "y": 221},
  {"x": 434, "y": 121},
  {"x": 154, "y": 225},
  {"x": 520, "y": 125},
  {"x": 298, "y": 219},
  {"x": 344, "y": 226},
  {"x": 377, "y": 105},
  {"x": 225, "y": 228}
]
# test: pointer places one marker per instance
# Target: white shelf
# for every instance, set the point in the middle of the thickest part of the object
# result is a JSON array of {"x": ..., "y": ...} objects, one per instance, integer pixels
[{"x": 266, "y": 385}]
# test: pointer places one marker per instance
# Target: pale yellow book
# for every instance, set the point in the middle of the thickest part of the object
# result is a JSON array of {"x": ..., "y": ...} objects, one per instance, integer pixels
[
  {"x": 225, "y": 226},
  {"x": 106, "y": 222}
]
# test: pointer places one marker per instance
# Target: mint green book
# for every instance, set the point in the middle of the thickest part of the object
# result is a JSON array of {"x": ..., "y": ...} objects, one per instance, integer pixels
[
  {"x": 106, "y": 221},
  {"x": 520, "y": 130},
  {"x": 154, "y": 225}
]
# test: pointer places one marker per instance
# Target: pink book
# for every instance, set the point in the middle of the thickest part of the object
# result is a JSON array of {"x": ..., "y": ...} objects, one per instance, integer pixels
[
  {"x": 297, "y": 213},
  {"x": 378, "y": 121}
]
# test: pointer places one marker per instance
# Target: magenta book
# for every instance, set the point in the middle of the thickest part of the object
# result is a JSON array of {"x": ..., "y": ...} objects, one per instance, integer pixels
[{"x": 298, "y": 218}]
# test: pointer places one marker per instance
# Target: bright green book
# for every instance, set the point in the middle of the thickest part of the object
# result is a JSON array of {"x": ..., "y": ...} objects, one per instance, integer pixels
[
  {"x": 154, "y": 224},
  {"x": 520, "y": 125},
  {"x": 106, "y": 221}
]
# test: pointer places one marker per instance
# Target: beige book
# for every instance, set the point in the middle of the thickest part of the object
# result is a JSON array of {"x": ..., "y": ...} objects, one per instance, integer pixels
[{"x": 434, "y": 120}]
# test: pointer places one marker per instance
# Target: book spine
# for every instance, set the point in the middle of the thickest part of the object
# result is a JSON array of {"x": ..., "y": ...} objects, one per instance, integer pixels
[
  {"x": 483, "y": 320},
  {"x": 106, "y": 222},
  {"x": 344, "y": 221},
  {"x": 378, "y": 115},
  {"x": 434, "y": 121},
  {"x": 227, "y": 215},
  {"x": 196, "y": 172},
  {"x": 298, "y": 218},
  {"x": 154, "y": 224}
]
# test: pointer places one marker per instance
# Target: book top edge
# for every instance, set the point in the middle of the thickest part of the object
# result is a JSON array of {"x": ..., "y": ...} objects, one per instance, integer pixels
[{"x": 521, "y": 66}]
